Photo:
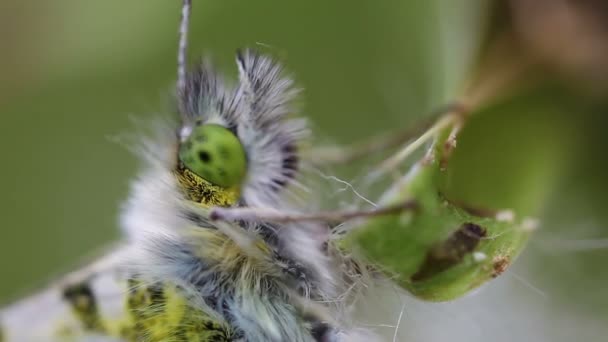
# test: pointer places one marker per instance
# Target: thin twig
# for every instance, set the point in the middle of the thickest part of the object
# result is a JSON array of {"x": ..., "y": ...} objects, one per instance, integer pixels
[
  {"x": 277, "y": 216},
  {"x": 396, "y": 159},
  {"x": 343, "y": 155}
]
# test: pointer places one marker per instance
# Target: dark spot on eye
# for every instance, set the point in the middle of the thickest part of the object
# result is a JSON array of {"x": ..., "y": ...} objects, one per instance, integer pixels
[
  {"x": 223, "y": 152},
  {"x": 204, "y": 156},
  {"x": 451, "y": 251},
  {"x": 201, "y": 138},
  {"x": 221, "y": 172}
]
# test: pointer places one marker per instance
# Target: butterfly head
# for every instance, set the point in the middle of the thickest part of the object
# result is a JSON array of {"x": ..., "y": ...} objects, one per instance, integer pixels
[{"x": 215, "y": 154}]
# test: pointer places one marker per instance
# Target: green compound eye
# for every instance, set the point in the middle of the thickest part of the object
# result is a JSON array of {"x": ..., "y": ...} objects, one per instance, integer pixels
[{"x": 215, "y": 154}]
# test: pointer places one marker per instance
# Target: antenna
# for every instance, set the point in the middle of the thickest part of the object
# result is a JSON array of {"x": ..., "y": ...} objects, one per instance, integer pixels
[{"x": 183, "y": 46}]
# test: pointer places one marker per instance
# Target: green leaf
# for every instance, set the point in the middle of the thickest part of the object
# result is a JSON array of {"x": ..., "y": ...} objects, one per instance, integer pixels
[{"x": 447, "y": 247}]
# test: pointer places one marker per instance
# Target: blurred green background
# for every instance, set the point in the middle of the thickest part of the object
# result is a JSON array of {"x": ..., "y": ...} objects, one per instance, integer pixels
[{"x": 77, "y": 76}]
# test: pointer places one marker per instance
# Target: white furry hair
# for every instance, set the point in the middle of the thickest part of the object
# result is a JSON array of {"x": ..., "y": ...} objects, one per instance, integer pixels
[
  {"x": 251, "y": 281},
  {"x": 295, "y": 291}
]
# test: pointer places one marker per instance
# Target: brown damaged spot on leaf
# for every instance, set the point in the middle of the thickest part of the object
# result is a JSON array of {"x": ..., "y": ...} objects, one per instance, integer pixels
[
  {"x": 451, "y": 251},
  {"x": 499, "y": 265}
]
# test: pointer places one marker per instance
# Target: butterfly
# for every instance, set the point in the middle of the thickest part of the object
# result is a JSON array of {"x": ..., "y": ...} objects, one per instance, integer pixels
[
  {"x": 216, "y": 246},
  {"x": 182, "y": 275}
]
